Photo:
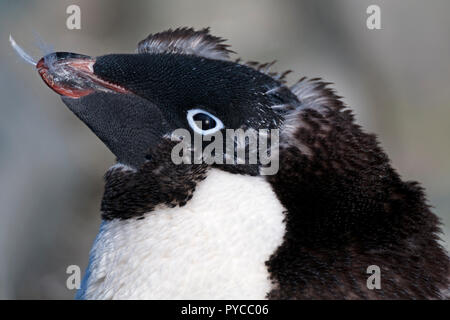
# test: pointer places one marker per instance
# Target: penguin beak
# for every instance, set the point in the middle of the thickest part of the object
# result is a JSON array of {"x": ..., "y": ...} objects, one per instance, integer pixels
[
  {"x": 129, "y": 125},
  {"x": 72, "y": 75}
]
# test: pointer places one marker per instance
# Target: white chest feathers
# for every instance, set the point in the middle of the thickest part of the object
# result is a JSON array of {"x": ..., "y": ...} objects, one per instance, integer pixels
[{"x": 214, "y": 247}]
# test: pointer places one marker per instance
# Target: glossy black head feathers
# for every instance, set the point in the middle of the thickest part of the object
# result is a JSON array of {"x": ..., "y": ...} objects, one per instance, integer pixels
[{"x": 186, "y": 41}]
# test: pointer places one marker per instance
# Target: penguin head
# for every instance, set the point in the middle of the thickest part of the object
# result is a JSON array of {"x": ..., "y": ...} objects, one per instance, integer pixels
[
  {"x": 342, "y": 197},
  {"x": 177, "y": 79}
]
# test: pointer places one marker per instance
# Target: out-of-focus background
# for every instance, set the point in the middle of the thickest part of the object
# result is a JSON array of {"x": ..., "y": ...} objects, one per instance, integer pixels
[{"x": 396, "y": 79}]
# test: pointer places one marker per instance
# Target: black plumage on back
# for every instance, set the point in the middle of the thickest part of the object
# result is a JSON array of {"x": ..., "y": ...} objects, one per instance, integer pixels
[{"x": 349, "y": 209}]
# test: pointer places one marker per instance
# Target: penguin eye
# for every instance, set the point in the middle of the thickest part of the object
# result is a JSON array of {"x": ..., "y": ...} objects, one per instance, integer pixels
[{"x": 203, "y": 122}]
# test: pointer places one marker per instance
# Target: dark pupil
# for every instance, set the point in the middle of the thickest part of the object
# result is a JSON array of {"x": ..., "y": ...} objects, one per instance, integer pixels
[{"x": 206, "y": 121}]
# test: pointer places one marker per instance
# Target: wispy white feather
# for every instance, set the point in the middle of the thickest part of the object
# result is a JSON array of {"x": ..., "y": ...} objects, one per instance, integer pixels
[{"x": 25, "y": 56}]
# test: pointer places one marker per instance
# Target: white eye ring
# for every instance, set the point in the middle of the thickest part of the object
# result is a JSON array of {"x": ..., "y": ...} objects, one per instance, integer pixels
[{"x": 190, "y": 117}]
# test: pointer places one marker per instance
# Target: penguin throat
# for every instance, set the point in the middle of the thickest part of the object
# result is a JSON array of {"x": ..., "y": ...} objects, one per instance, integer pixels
[{"x": 214, "y": 247}]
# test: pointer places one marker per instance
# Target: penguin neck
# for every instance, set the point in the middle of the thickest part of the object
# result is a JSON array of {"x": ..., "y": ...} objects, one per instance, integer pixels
[{"x": 215, "y": 247}]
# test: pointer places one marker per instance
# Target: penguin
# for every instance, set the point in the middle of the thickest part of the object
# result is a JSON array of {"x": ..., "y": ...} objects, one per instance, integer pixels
[{"x": 335, "y": 208}]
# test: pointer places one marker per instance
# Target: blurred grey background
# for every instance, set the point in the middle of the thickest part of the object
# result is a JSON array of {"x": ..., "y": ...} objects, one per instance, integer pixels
[{"x": 51, "y": 166}]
